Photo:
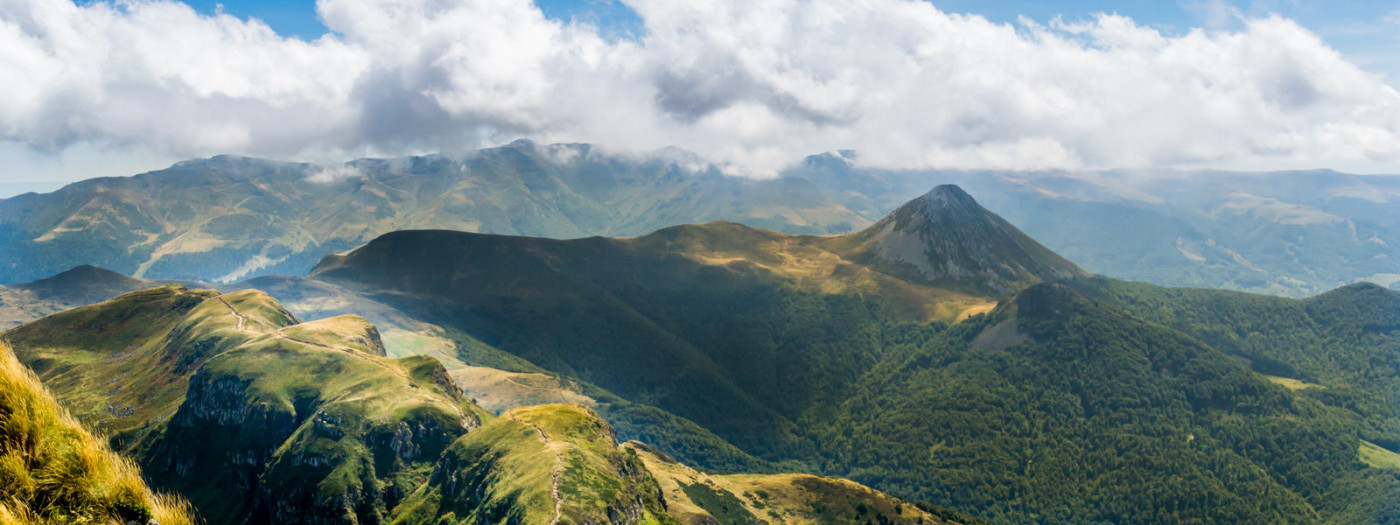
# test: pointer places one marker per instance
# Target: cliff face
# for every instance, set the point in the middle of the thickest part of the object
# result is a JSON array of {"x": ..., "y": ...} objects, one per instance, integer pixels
[{"x": 325, "y": 436}]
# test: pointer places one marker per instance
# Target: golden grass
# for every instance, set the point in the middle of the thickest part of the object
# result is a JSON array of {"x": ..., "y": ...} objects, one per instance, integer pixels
[
  {"x": 805, "y": 261},
  {"x": 1290, "y": 383},
  {"x": 797, "y": 499},
  {"x": 1377, "y": 457},
  {"x": 498, "y": 390},
  {"x": 52, "y": 470}
]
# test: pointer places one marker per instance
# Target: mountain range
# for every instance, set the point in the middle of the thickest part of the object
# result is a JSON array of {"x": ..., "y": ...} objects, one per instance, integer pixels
[
  {"x": 226, "y": 219},
  {"x": 987, "y": 388},
  {"x": 937, "y": 354}
]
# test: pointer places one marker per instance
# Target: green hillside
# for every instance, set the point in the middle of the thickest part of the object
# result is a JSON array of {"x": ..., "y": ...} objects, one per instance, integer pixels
[
  {"x": 697, "y": 320},
  {"x": 257, "y": 417},
  {"x": 1344, "y": 343},
  {"x": 52, "y": 470},
  {"x": 1044, "y": 406},
  {"x": 233, "y": 403}
]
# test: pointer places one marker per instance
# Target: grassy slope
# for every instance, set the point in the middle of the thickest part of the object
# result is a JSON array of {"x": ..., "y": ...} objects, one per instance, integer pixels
[
  {"x": 536, "y": 464},
  {"x": 229, "y": 394},
  {"x": 718, "y": 301},
  {"x": 638, "y": 316},
  {"x": 122, "y": 365},
  {"x": 695, "y": 497},
  {"x": 499, "y": 381},
  {"x": 290, "y": 422},
  {"x": 52, "y": 470}
]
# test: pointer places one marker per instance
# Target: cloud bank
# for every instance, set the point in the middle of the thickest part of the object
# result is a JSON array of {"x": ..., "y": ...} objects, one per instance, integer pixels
[{"x": 756, "y": 84}]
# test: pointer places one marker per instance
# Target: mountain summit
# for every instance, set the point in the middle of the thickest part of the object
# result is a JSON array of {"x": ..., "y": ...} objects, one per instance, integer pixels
[{"x": 945, "y": 238}]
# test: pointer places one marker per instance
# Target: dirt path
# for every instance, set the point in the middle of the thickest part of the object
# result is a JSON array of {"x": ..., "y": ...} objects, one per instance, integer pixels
[
  {"x": 233, "y": 312},
  {"x": 555, "y": 475}
]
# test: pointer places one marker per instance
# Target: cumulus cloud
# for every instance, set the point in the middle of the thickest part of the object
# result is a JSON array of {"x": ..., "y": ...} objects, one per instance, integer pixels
[{"x": 753, "y": 85}]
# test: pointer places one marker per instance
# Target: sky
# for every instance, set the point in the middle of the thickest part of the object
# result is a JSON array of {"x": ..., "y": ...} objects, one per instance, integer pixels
[{"x": 100, "y": 88}]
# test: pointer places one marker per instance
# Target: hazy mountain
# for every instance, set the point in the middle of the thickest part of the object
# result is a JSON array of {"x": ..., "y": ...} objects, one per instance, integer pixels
[
  {"x": 1283, "y": 233},
  {"x": 228, "y": 218},
  {"x": 79, "y": 286},
  {"x": 963, "y": 388}
]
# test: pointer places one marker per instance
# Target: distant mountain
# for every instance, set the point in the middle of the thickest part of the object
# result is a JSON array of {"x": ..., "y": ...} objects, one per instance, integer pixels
[
  {"x": 226, "y": 219},
  {"x": 230, "y": 218},
  {"x": 1295, "y": 233},
  {"x": 983, "y": 389},
  {"x": 258, "y": 417},
  {"x": 78, "y": 286},
  {"x": 83, "y": 285}
]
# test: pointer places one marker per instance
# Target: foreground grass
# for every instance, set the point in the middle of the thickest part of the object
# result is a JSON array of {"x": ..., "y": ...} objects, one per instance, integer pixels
[{"x": 52, "y": 470}]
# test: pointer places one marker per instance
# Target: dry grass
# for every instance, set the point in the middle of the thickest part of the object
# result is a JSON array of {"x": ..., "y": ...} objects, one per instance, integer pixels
[
  {"x": 808, "y": 263},
  {"x": 52, "y": 470},
  {"x": 1376, "y": 457},
  {"x": 1291, "y": 384},
  {"x": 796, "y": 499}
]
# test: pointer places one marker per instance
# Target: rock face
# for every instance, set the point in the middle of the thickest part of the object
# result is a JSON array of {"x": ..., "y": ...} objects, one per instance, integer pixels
[
  {"x": 945, "y": 238},
  {"x": 305, "y": 447}
]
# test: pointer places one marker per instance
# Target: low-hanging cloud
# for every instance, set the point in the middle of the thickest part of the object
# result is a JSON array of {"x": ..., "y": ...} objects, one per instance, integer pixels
[{"x": 752, "y": 84}]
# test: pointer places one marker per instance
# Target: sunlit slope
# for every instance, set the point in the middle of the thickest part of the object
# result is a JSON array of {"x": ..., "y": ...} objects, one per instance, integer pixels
[
  {"x": 695, "y": 497},
  {"x": 539, "y": 464},
  {"x": 52, "y": 470},
  {"x": 250, "y": 414}
]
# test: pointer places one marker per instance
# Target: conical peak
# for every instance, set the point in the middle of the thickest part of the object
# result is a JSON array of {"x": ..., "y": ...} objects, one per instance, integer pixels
[
  {"x": 945, "y": 237},
  {"x": 944, "y": 206},
  {"x": 949, "y": 195}
]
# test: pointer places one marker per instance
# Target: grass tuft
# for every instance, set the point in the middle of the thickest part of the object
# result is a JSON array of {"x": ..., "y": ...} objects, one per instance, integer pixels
[{"x": 52, "y": 470}]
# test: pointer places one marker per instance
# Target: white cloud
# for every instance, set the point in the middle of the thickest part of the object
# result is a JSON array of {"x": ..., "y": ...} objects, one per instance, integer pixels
[
  {"x": 334, "y": 173},
  {"x": 753, "y": 85}
]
